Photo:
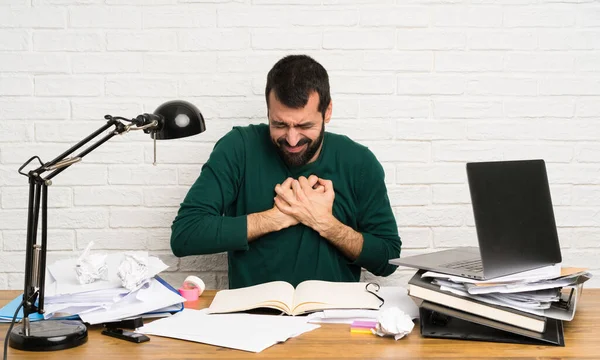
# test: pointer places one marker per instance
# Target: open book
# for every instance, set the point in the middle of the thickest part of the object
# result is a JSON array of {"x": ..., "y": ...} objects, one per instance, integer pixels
[{"x": 309, "y": 296}]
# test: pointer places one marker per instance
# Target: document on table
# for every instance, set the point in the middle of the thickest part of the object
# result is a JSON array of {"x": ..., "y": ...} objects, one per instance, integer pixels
[
  {"x": 393, "y": 296},
  {"x": 547, "y": 309},
  {"x": 543, "y": 273},
  {"x": 526, "y": 295},
  {"x": 154, "y": 296},
  {"x": 568, "y": 280},
  {"x": 246, "y": 332}
]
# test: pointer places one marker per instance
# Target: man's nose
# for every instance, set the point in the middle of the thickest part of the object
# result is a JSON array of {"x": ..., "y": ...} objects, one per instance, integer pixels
[{"x": 292, "y": 137}]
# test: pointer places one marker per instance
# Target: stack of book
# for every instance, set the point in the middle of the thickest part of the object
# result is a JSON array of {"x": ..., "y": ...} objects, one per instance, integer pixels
[{"x": 526, "y": 311}]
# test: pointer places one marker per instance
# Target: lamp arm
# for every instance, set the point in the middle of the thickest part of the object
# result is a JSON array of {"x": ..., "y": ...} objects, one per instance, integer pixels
[
  {"x": 65, "y": 164},
  {"x": 171, "y": 120},
  {"x": 35, "y": 254}
]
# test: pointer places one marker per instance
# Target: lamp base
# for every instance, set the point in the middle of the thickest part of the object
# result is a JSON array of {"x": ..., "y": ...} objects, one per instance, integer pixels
[{"x": 49, "y": 335}]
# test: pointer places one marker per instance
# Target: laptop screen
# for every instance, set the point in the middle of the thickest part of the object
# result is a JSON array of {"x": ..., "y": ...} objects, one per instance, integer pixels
[{"x": 513, "y": 215}]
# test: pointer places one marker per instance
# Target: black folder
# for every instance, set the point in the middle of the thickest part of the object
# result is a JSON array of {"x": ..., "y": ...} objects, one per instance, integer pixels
[{"x": 438, "y": 321}]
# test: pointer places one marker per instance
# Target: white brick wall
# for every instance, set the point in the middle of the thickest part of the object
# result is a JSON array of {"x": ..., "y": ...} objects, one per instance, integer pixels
[{"x": 427, "y": 85}]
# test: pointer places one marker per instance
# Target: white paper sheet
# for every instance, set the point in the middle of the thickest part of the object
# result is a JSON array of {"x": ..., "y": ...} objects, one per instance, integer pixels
[
  {"x": 104, "y": 295},
  {"x": 543, "y": 273},
  {"x": 54, "y": 311},
  {"x": 246, "y": 332},
  {"x": 147, "y": 299},
  {"x": 487, "y": 298},
  {"x": 536, "y": 285},
  {"x": 548, "y": 310}
]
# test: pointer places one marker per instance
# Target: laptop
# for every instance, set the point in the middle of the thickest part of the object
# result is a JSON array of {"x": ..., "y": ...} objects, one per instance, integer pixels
[{"x": 514, "y": 219}]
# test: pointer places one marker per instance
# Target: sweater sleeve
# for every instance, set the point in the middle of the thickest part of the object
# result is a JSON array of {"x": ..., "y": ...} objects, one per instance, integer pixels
[
  {"x": 200, "y": 227},
  {"x": 376, "y": 221}
]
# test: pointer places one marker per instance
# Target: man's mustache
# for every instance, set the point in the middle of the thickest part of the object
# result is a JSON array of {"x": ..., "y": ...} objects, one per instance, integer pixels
[{"x": 283, "y": 142}]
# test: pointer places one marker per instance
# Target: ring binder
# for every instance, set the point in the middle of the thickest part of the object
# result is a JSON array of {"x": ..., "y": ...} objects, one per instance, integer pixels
[
  {"x": 564, "y": 304},
  {"x": 374, "y": 292},
  {"x": 438, "y": 321}
]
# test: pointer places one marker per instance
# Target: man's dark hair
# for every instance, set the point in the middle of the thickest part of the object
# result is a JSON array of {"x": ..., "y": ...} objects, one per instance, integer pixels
[{"x": 294, "y": 77}]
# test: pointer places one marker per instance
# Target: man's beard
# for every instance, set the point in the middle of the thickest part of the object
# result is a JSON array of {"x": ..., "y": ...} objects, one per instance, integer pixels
[{"x": 301, "y": 158}]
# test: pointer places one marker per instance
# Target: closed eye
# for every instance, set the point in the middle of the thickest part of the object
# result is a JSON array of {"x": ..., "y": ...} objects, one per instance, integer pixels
[
  {"x": 278, "y": 125},
  {"x": 282, "y": 125}
]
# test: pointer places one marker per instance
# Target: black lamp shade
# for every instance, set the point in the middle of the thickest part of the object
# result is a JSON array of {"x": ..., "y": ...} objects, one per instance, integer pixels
[{"x": 178, "y": 119}]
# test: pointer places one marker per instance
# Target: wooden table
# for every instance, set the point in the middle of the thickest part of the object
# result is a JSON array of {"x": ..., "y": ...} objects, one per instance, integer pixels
[{"x": 334, "y": 341}]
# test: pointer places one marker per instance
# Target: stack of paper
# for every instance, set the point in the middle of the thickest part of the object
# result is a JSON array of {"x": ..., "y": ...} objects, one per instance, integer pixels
[
  {"x": 528, "y": 307},
  {"x": 246, "y": 332},
  {"x": 538, "y": 295},
  {"x": 103, "y": 300}
]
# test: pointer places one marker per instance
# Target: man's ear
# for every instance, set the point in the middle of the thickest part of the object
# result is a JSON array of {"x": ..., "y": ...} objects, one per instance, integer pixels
[{"x": 328, "y": 112}]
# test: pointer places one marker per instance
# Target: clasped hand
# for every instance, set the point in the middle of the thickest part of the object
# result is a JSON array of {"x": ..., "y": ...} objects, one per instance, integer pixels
[{"x": 309, "y": 201}]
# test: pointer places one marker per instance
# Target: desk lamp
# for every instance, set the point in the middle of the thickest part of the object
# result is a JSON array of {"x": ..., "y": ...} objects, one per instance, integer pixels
[{"x": 171, "y": 120}]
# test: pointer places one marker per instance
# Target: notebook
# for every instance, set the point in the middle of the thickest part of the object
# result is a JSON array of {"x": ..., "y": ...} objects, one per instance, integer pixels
[{"x": 514, "y": 220}]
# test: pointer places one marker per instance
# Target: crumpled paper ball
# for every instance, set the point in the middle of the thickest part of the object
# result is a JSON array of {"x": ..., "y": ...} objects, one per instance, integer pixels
[
  {"x": 133, "y": 270},
  {"x": 393, "y": 322},
  {"x": 91, "y": 267}
]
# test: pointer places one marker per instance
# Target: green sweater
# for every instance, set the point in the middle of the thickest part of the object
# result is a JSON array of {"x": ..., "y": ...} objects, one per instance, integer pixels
[{"x": 239, "y": 179}]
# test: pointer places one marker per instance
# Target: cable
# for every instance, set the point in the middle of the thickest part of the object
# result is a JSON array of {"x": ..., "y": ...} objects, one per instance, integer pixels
[{"x": 12, "y": 323}]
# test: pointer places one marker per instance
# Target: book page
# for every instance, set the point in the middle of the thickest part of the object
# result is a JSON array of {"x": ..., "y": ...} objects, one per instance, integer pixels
[
  {"x": 313, "y": 295},
  {"x": 275, "y": 295}
]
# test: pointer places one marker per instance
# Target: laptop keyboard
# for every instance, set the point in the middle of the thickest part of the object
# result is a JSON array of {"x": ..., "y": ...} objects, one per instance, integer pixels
[{"x": 474, "y": 265}]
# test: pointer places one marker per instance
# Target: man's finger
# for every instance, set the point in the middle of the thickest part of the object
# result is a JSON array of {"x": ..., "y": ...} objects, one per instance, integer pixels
[
  {"x": 312, "y": 180},
  {"x": 282, "y": 205},
  {"x": 283, "y": 192},
  {"x": 328, "y": 184},
  {"x": 320, "y": 189},
  {"x": 282, "y": 200},
  {"x": 298, "y": 192},
  {"x": 304, "y": 183},
  {"x": 287, "y": 184}
]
